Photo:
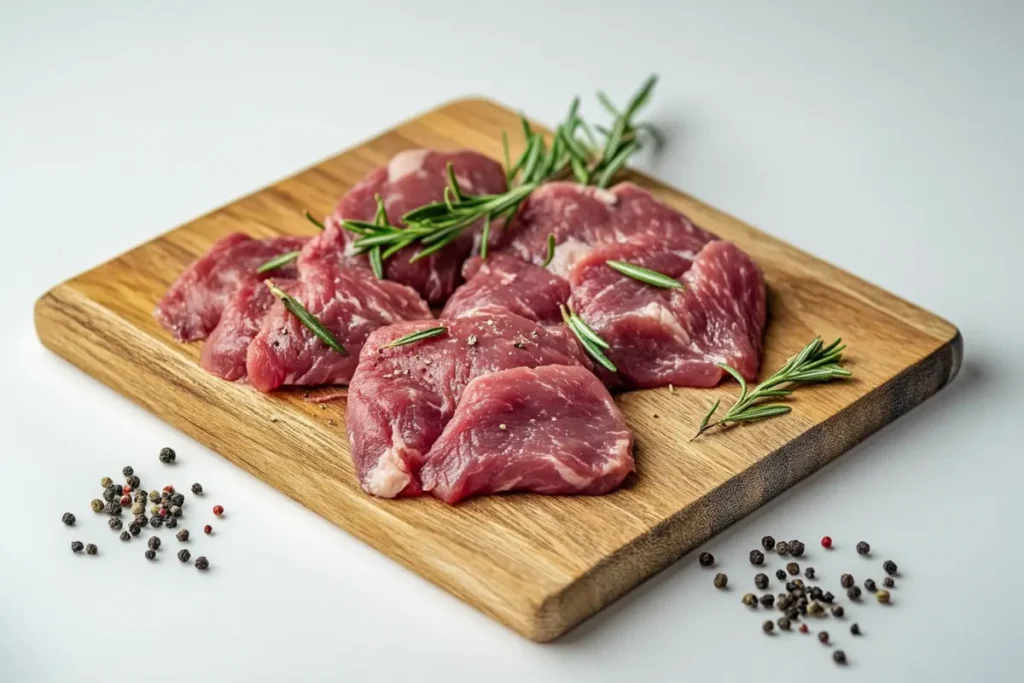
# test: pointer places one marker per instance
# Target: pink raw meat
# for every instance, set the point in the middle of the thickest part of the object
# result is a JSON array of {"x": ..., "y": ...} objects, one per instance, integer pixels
[
  {"x": 553, "y": 429},
  {"x": 674, "y": 336},
  {"x": 506, "y": 282},
  {"x": 582, "y": 217},
  {"x": 400, "y": 398},
  {"x": 191, "y": 308},
  {"x": 412, "y": 179}
]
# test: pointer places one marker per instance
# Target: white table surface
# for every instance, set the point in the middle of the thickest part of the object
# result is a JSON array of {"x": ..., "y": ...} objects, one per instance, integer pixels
[{"x": 883, "y": 137}]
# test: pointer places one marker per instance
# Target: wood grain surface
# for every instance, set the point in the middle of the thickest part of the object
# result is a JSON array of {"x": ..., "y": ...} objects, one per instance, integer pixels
[{"x": 538, "y": 564}]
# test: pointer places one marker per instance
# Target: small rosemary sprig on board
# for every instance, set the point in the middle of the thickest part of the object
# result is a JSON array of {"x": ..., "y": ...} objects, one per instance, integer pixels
[
  {"x": 815, "y": 363},
  {"x": 306, "y": 318},
  {"x": 646, "y": 275},
  {"x": 287, "y": 257},
  {"x": 550, "y": 256},
  {"x": 588, "y": 338},
  {"x": 417, "y": 336}
]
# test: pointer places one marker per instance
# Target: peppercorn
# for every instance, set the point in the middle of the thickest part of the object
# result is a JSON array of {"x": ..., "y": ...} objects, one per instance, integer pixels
[
  {"x": 202, "y": 563},
  {"x": 790, "y": 586},
  {"x": 768, "y": 626},
  {"x": 721, "y": 580},
  {"x": 816, "y": 593},
  {"x": 705, "y": 559},
  {"x": 168, "y": 490},
  {"x": 756, "y": 556},
  {"x": 141, "y": 520},
  {"x": 826, "y": 542},
  {"x": 883, "y": 596},
  {"x": 888, "y": 582},
  {"x": 91, "y": 549},
  {"x": 154, "y": 510},
  {"x": 150, "y": 554},
  {"x": 167, "y": 455},
  {"x": 890, "y": 567},
  {"x": 156, "y": 521},
  {"x": 828, "y": 597},
  {"x": 761, "y": 581},
  {"x": 793, "y": 614},
  {"x": 197, "y": 489},
  {"x": 846, "y": 580},
  {"x": 164, "y": 512},
  {"x": 802, "y": 607},
  {"x": 767, "y": 600},
  {"x": 134, "y": 481},
  {"x": 855, "y": 629},
  {"x": 869, "y": 585},
  {"x": 780, "y": 575},
  {"x": 171, "y": 522},
  {"x": 176, "y": 510},
  {"x": 178, "y": 499},
  {"x": 853, "y": 593},
  {"x": 182, "y": 535},
  {"x": 154, "y": 496},
  {"x": 125, "y": 501},
  {"x": 138, "y": 509},
  {"x": 106, "y": 481},
  {"x": 209, "y": 530},
  {"x": 119, "y": 489},
  {"x": 76, "y": 546},
  {"x": 113, "y": 509},
  {"x": 796, "y": 548},
  {"x": 183, "y": 555},
  {"x": 114, "y": 523},
  {"x": 803, "y": 628},
  {"x": 839, "y": 657},
  {"x": 140, "y": 498},
  {"x": 815, "y": 609},
  {"x": 782, "y": 548},
  {"x": 110, "y": 493},
  {"x": 798, "y": 583},
  {"x": 219, "y": 510},
  {"x": 127, "y": 471},
  {"x": 793, "y": 568},
  {"x": 135, "y": 529},
  {"x": 823, "y": 637},
  {"x": 127, "y": 489},
  {"x": 767, "y": 542},
  {"x": 749, "y": 599},
  {"x": 838, "y": 611},
  {"x": 809, "y": 572},
  {"x": 782, "y": 602},
  {"x": 96, "y": 505},
  {"x": 784, "y": 623},
  {"x": 863, "y": 548},
  {"x": 68, "y": 518},
  {"x": 125, "y": 536}
]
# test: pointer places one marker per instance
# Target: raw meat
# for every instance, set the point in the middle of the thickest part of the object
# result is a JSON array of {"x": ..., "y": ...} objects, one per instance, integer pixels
[
  {"x": 191, "y": 308},
  {"x": 410, "y": 180},
  {"x": 674, "y": 336},
  {"x": 348, "y": 301},
  {"x": 401, "y": 398},
  {"x": 506, "y": 282},
  {"x": 553, "y": 429},
  {"x": 225, "y": 349},
  {"x": 582, "y": 217}
]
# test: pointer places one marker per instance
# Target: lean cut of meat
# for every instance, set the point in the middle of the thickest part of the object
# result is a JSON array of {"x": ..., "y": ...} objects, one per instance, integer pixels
[
  {"x": 400, "y": 398},
  {"x": 582, "y": 217},
  {"x": 191, "y": 308},
  {"x": 674, "y": 336},
  {"x": 349, "y": 301},
  {"x": 552, "y": 429},
  {"x": 506, "y": 282},
  {"x": 412, "y": 179}
]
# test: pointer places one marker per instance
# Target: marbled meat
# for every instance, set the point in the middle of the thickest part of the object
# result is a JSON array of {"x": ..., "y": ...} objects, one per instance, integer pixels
[{"x": 509, "y": 283}]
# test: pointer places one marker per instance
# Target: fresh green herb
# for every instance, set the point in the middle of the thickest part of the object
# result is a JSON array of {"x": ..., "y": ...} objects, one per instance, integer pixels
[
  {"x": 306, "y": 318},
  {"x": 485, "y": 237},
  {"x": 815, "y": 363},
  {"x": 589, "y": 339},
  {"x": 551, "y": 251},
  {"x": 309, "y": 217},
  {"x": 278, "y": 261},
  {"x": 417, "y": 336},
  {"x": 651, "y": 277}
]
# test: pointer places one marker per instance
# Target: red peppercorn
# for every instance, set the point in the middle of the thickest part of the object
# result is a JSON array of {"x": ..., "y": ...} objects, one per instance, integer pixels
[
  {"x": 163, "y": 512},
  {"x": 218, "y": 510},
  {"x": 169, "y": 489},
  {"x": 126, "y": 500},
  {"x": 207, "y": 529},
  {"x": 803, "y": 628},
  {"x": 826, "y": 541},
  {"x": 126, "y": 489}
]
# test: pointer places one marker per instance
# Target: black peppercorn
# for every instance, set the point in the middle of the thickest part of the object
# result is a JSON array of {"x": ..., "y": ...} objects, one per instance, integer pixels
[
  {"x": 863, "y": 548},
  {"x": 855, "y": 629},
  {"x": 197, "y": 489},
  {"x": 133, "y": 481},
  {"x": 182, "y": 535},
  {"x": 127, "y": 471},
  {"x": 156, "y": 521},
  {"x": 119, "y": 489},
  {"x": 888, "y": 582},
  {"x": 792, "y": 613},
  {"x": 125, "y": 536},
  {"x": 154, "y": 542},
  {"x": 846, "y": 581},
  {"x": 839, "y": 657},
  {"x": 749, "y": 599},
  {"x": 890, "y": 567},
  {"x": 721, "y": 580},
  {"x": 768, "y": 626},
  {"x": 816, "y": 593},
  {"x": 68, "y": 518},
  {"x": 784, "y": 623},
  {"x": 809, "y": 572},
  {"x": 782, "y": 548},
  {"x": 91, "y": 549},
  {"x": 202, "y": 563},
  {"x": 869, "y": 585},
  {"x": 793, "y": 568},
  {"x": 705, "y": 559},
  {"x": 790, "y": 586},
  {"x": 853, "y": 593},
  {"x": 767, "y": 542},
  {"x": 823, "y": 637},
  {"x": 167, "y": 455},
  {"x": 802, "y": 607},
  {"x": 175, "y": 511},
  {"x": 761, "y": 581},
  {"x": 110, "y": 494},
  {"x": 767, "y": 600},
  {"x": 114, "y": 523},
  {"x": 150, "y": 554},
  {"x": 76, "y": 546},
  {"x": 135, "y": 529},
  {"x": 796, "y": 548},
  {"x": 837, "y": 611},
  {"x": 756, "y": 557},
  {"x": 141, "y": 520},
  {"x": 113, "y": 509},
  {"x": 828, "y": 597},
  {"x": 780, "y": 574},
  {"x": 177, "y": 499},
  {"x": 183, "y": 555},
  {"x": 171, "y": 522}
]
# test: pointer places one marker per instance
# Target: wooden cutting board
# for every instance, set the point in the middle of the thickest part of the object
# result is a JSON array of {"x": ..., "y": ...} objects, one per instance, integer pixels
[{"x": 538, "y": 564}]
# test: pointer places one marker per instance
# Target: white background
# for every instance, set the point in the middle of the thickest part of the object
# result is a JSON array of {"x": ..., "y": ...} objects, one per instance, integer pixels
[{"x": 885, "y": 137}]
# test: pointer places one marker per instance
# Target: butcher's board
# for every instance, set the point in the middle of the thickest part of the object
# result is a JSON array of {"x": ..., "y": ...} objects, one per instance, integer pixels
[{"x": 539, "y": 564}]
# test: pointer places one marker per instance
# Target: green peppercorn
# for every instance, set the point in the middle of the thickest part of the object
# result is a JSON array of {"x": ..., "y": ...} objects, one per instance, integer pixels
[
  {"x": 837, "y": 611},
  {"x": 127, "y": 471},
  {"x": 767, "y": 542},
  {"x": 68, "y": 518},
  {"x": 167, "y": 455},
  {"x": 183, "y": 555},
  {"x": 853, "y": 593},
  {"x": 883, "y": 596},
  {"x": 869, "y": 585},
  {"x": 796, "y": 548},
  {"x": 96, "y": 505},
  {"x": 782, "y": 548},
  {"x": 704, "y": 559},
  {"x": 890, "y": 567},
  {"x": 154, "y": 510},
  {"x": 91, "y": 549},
  {"x": 863, "y": 548},
  {"x": 888, "y": 582},
  {"x": 839, "y": 657},
  {"x": 793, "y": 568},
  {"x": 150, "y": 554},
  {"x": 106, "y": 481},
  {"x": 846, "y": 581},
  {"x": 784, "y": 623},
  {"x": 134, "y": 481},
  {"x": 76, "y": 546},
  {"x": 749, "y": 599},
  {"x": 197, "y": 489},
  {"x": 114, "y": 523},
  {"x": 815, "y": 609},
  {"x": 203, "y": 564},
  {"x": 761, "y": 581},
  {"x": 125, "y": 536},
  {"x": 855, "y": 629},
  {"x": 809, "y": 572},
  {"x": 154, "y": 542},
  {"x": 154, "y": 496},
  {"x": 756, "y": 557},
  {"x": 780, "y": 574},
  {"x": 767, "y": 600},
  {"x": 823, "y": 637},
  {"x": 721, "y": 580},
  {"x": 138, "y": 509},
  {"x": 768, "y": 626}
]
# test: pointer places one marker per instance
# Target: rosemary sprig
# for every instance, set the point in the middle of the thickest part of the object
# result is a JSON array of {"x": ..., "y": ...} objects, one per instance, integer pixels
[
  {"x": 551, "y": 251},
  {"x": 646, "y": 275},
  {"x": 588, "y": 338},
  {"x": 417, "y": 336},
  {"x": 278, "y": 261},
  {"x": 306, "y": 318},
  {"x": 815, "y": 363}
]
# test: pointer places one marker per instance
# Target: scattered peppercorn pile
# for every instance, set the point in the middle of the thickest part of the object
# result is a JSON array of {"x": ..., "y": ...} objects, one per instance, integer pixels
[
  {"x": 168, "y": 507},
  {"x": 804, "y": 602}
]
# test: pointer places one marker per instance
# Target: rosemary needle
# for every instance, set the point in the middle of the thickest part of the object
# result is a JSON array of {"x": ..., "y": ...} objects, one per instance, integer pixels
[
  {"x": 278, "y": 261},
  {"x": 306, "y": 318},
  {"x": 588, "y": 338},
  {"x": 551, "y": 251},
  {"x": 417, "y": 336},
  {"x": 651, "y": 277}
]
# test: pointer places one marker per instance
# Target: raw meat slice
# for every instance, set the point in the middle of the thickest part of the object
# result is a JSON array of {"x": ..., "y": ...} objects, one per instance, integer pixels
[
  {"x": 553, "y": 429},
  {"x": 225, "y": 349},
  {"x": 410, "y": 180},
  {"x": 400, "y": 398},
  {"x": 674, "y": 336},
  {"x": 582, "y": 217},
  {"x": 506, "y": 282},
  {"x": 192, "y": 306},
  {"x": 350, "y": 302}
]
